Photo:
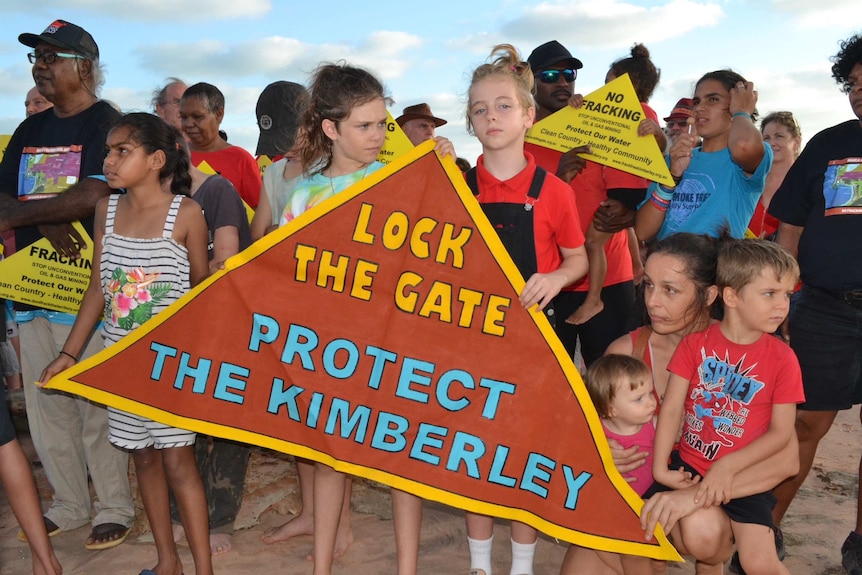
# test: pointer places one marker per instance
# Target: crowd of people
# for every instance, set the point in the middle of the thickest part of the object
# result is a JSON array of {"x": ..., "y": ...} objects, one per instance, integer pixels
[{"x": 743, "y": 333}]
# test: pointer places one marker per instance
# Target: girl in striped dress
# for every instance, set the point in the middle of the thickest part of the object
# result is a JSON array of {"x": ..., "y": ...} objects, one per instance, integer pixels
[{"x": 151, "y": 247}]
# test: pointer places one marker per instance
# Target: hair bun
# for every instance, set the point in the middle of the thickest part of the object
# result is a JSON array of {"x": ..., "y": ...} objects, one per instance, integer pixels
[{"x": 640, "y": 51}]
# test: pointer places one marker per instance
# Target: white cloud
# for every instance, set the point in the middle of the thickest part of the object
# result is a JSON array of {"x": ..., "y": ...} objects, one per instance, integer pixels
[
  {"x": 809, "y": 14},
  {"x": 150, "y": 10},
  {"x": 276, "y": 56},
  {"x": 15, "y": 81},
  {"x": 611, "y": 23}
]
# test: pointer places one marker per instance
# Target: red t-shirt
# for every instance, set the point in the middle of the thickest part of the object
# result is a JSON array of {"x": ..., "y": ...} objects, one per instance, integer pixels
[
  {"x": 731, "y": 392},
  {"x": 555, "y": 215},
  {"x": 238, "y": 166}
]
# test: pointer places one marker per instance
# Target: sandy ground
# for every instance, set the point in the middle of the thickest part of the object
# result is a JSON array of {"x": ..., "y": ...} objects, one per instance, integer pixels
[{"x": 817, "y": 523}]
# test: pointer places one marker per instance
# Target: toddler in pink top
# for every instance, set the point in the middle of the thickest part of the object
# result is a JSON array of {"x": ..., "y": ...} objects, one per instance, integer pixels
[{"x": 621, "y": 388}]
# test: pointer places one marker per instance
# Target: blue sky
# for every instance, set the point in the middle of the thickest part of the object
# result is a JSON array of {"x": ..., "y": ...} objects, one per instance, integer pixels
[{"x": 426, "y": 51}]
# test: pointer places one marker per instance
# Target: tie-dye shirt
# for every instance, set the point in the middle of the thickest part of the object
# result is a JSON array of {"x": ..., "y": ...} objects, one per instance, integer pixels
[{"x": 310, "y": 191}]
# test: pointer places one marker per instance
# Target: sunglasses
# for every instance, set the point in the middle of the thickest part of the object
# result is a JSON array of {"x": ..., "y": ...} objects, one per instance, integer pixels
[
  {"x": 680, "y": 123},
  {"x": 51, "y": 57},
  {"x": 553, "y": 76}
]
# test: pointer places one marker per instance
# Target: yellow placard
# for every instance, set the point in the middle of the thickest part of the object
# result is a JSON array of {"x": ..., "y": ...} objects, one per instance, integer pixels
[
  {"x": 207, "y": 169},
  {"x": 397, "y": 142},
  {"x": 263, "y": 162},
  {"x": 38, "y": 275},
  {"x": 607, "y": 121},
  {"x": 4, "y": 143}
]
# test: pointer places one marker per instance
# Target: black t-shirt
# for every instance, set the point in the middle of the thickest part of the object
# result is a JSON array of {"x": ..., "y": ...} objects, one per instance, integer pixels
[
  {"x": 222, "y": 206},
  {"x": 822, "y": 192},
  {"x": 56, "y": 153},
  {"x": 48, "y": 154}
]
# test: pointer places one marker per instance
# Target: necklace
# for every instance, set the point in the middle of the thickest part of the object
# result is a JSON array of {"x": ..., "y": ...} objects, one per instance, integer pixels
[{"x": 332, "y": 185}]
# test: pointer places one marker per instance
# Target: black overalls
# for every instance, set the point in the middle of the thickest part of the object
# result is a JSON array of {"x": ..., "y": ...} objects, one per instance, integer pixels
[{"x": 514, "y": 226}]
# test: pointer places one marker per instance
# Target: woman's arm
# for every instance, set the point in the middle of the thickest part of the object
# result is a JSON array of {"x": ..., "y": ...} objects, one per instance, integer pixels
[
  {"x": 669, "y": 507},
  {"x": 744, "y": 141}
]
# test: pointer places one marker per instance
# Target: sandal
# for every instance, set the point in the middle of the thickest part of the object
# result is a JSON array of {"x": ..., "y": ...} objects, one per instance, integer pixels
[
  {"x": 106, "y": 535},
  {"x": 50, "y": 527}
]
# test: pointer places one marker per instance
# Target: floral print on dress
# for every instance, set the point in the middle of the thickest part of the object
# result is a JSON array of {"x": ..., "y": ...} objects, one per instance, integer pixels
[{"x": 133, "y": 295}]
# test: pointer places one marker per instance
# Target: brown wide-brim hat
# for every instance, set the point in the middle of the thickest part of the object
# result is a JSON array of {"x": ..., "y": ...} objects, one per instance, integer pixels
[{"x": 419, "y": 112}]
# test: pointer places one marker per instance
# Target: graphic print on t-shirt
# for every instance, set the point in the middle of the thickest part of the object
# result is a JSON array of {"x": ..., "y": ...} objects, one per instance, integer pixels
[
  {"x": 45, "y": 172},
  {"x": 842, "y": 187},
  {"x": 691, "y": 193},
  {"x": 720, "y": 403}
]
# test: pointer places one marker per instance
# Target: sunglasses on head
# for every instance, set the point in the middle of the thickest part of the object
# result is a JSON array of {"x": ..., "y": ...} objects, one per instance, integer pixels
[{"x": 553, "y": 76}]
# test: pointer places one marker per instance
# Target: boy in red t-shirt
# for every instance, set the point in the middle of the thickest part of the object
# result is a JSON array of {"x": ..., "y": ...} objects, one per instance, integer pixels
[{"x": 734, "y": 388}]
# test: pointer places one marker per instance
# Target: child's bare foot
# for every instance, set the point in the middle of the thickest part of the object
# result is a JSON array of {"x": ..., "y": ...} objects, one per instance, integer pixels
[
  {"x": 220, "y": 543},
  {"x": 342, "y": 542},
  {"x": 300, "y": 525},
  {"x": 179, "y": 533},
  {"x": 54, "y": 568},
  {"x": 587, "y": 311}
]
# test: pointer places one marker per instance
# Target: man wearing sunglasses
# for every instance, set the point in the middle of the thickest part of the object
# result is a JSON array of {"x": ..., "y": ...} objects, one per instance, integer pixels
[
  {"x": 555, "y": 71},
  {"x": 57, "y": 155}
]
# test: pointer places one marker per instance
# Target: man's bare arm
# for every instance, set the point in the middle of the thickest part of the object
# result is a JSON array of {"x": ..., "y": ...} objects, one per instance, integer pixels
[{"x": 76, "y": 203}]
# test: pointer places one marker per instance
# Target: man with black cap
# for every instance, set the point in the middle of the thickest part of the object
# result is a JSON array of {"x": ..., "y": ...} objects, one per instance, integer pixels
[
  {"x": 555, "y": 70},
  {"x": 70, "y": 434},
  {"x": 419, "y": 123}
]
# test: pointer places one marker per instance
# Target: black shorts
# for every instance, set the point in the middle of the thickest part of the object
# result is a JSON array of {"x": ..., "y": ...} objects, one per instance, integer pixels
[
  {"x": 629, "y": 198},
  {"x": 751, "y": 509},
  {"x": 826, "y": 335}
]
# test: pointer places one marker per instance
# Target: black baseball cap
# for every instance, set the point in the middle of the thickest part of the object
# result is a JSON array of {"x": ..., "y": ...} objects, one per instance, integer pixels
[
  {"x": 66, "y": 35},
  {"x": 279, "y": 112},
  {"x": 551, "y": 53}
]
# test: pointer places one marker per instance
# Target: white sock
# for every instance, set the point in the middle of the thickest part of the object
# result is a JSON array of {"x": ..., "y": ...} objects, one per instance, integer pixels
[
  {"x": 522, "y": 558},
  {"x": 480, "y": 554}
]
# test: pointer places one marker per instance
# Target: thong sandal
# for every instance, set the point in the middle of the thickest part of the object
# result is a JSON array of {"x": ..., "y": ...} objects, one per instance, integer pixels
[
  {"x": 101, "y": 536},
  {"x": 50, "y": 527}
]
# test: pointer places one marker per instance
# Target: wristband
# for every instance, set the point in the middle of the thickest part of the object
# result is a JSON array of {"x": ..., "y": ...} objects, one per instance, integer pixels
[
  {"x": 746, "y": 114},
  {"x": 659, "y": 203},
  {"x": 663, "y": 193},
  {"x": 70, "y": 355},
  {"x": 676, "y": 179}
]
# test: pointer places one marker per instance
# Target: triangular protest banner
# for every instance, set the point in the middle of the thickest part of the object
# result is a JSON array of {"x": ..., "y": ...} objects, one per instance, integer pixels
[
  {"x": 39, "y": 275},
  {"x": 607, "y": 121},
  {"x": 380, "y": 333}
]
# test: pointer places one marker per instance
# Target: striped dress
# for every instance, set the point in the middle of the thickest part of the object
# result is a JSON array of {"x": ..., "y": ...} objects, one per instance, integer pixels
[{"x": 141, "y": 277}]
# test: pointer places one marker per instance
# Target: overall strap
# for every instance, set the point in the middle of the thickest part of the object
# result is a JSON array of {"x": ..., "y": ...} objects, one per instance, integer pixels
[{"x": 472, "y": 180}]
